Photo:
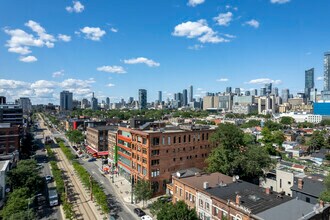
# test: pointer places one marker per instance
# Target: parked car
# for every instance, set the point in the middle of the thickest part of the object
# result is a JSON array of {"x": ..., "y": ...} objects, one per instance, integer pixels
[
  {"x": 48, "y": 178},
  {"x": 146, "y": 217},
  {"x": 139, "y": 212},
  {"x": 165, "y": 199},
  {"x": 91, "y": 159}
]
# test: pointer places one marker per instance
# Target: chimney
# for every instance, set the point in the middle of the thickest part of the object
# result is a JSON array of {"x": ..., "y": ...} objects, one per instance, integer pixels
[
  {"x": 205, "y": 185},
  {"x": 238, "y": 199},
  {"x": 300, "y": 184},
  {"x": 267, "y": 191},
  {"x": 321, "y": 203}
]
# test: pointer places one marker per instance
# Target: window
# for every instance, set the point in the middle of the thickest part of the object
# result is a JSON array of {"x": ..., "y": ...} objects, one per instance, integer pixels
[
  {"x": 187, "y": 197},
  {"x": 176, "y": 189},
  {"x": 154, "y": 152},
  {"x": 289, "y": 182},
  {"x": 203, "y": 137},
  {"x": 179, "y": 139},
  {"x": 174, "y": 159},
  {"x": 216, "y": 211},
  {"x": 144, "y": 160},
  {"x": 174, "y": 140},
  {"x": 180, "y": 158},
  {"x": 207, "y": 136},
  {"x": 139, "y": 168},
  {"x": 168, "y": 140},
  {"x": 163, "y": 140},
  {"x": 207, "y": 205},
  {"x": 189, "y": 138},
  {"x": 144, "y": 151},
  {"x": 184, "y": 138},
  {"x": 144, "y": 171},
  {"x": 144, "y": 140},
  {"x": 308, "y": 199},
  {"x": 154, "y": 162},
  {"x": 201, "y": 203},
  {"x": 155, "y": 173},
  {"x": 155, "y": 141},
  {"x": 280, "y": 183},
  {"x": 180, "y": 192}
]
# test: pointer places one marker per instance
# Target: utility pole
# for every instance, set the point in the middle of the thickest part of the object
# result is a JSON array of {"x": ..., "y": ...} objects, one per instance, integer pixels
[
  {"x": 132, "y": 183},
  {"x": 91, "y": 186}
]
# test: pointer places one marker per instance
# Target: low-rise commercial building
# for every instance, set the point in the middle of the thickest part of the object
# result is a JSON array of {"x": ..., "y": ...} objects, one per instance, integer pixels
[
  {"x": 97, "y": 140},
  {"x": 9, "y": 138}
]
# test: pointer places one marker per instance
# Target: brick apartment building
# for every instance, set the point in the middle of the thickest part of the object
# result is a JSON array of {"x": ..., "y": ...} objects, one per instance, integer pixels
[
  {"x": 9, "y": 138},
  {"x": 217, "y": 196},
  {"x": 97, "y": 140},
  {"x": 154, "y": 151}
]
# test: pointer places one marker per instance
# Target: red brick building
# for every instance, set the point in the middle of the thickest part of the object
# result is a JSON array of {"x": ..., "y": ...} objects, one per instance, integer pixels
[
  {"x": 9, "y": 138},
  {"x": 154, "y": 151}
]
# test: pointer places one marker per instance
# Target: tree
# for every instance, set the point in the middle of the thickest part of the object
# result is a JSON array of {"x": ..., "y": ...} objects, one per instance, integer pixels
[
  {"x": 236, "y": 154},
  {"x": 177, "y": 211},
  {"x": 325, "y": 195},
  {"x": 317, "y": 141},
  {"x": 26, "y": 174},
  {"x": 75, "y": 136},
  {"x": 273, "y": 126},
  {"x": 251, "y": 123},
  {"x": 142, "y": 190},
  {"x": 278, "y": 137},
  {"x": 287, "y": 120},
  {"x": 249, "y": 139},
  {"x": 16, "y": 206},
  {"x": 325, "y": 122}
]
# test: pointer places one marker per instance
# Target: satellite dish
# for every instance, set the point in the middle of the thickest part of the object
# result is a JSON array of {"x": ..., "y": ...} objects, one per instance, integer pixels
[
  {"x": 237, "y": 177},
  {"x": 7, "y": 190}
]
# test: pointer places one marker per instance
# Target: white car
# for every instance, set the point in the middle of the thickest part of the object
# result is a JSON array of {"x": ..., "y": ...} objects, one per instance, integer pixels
[
  {"x": 48, "y": 178},
  {"x": 146, "y": 217}
]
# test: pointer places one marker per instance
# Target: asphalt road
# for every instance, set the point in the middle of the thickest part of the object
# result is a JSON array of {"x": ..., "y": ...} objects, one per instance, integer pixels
[
  {"x": 118, "y": 209},
  {"x": 44, "y": 211}
]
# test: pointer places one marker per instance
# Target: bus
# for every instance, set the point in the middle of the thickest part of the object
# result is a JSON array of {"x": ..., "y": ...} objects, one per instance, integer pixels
[{"x": 52, "y": 197}]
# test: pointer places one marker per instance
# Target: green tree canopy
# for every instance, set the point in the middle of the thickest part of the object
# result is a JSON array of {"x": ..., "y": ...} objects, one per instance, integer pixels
[
  {"x": 16, "y": 206},
  {"x": 273, "y": 126},
  {"x": 177, "y": 211},
  {"x": 325, "y": 195},
  {"x": 142, "y": 190},
  {"x": 235, "y": 153},
  {"x": 278, "y": 137},
  {"x": 316, "y": 141},
  {"x": 26, "y": 174},
  {"x": 75, "y": 136},
  {"x": 251, "y": 123},
  {"x": 325, "y": 122},
  {"x": 286, "y": 120}
]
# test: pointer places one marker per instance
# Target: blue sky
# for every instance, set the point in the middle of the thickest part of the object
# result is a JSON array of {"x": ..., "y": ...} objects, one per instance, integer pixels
[{"x": 116, "y": 47}]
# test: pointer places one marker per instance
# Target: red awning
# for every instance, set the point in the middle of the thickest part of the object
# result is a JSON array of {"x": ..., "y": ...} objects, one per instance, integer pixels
[
  {"x": 103, "y": 153},
  {"x": 90, "y": 150}
]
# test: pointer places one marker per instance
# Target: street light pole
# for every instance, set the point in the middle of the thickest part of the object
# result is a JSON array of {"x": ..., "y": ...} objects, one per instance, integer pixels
[
  {"x": 91, "y": 186},
  {"x": 132, "y": 183}
]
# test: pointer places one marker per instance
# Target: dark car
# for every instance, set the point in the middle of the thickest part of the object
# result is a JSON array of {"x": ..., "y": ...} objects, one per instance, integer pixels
[
  {"x": 91, "y": 159},
  {"x": 165, "y": 199},
  {"x": 139, "y": 212}
]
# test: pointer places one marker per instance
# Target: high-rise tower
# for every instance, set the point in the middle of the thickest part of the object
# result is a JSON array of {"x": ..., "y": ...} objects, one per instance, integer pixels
[{"x": 143, "y": 98}]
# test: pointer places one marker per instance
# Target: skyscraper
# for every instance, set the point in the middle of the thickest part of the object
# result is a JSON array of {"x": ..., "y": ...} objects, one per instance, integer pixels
[
  {"x": 66, "y": 101},
  {"x": 285, "y": 95},
  {"x": 228, "y": 90},
  {"x": 326, "y": 63},
  {"x": 191, "y": 94},
  {"x": 309, "y": 82},
  {"x": 160, "y": 97},
  {"x": 184, "y": 97},
  {"x": 94, "y": 103},
  {"x": 143, "y": 98},
  {"x": 238, "y": 91},
  {"x": 107, "y": 100},
  {"x": 247, "y": 93},
  {"x": 262, "y": 91},
  {"x": 275, "y": 91},
  {"x": 254, "y": 92},
  {"x": 268, "y": 87}
]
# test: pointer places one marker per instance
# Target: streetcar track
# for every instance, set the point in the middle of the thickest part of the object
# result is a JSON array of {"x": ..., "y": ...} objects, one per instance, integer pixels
[{"x": 79, "y": 192}]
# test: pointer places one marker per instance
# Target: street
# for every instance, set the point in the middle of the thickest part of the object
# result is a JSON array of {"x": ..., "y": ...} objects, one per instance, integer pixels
[{"x": 119, "y": 210}]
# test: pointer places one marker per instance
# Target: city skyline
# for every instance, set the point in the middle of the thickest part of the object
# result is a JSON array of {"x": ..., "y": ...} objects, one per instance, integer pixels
[{"x": 214, "y": 45}]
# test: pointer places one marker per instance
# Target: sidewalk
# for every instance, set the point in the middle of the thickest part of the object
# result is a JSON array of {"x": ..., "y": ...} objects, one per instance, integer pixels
[{"x": 122, "y": 187}]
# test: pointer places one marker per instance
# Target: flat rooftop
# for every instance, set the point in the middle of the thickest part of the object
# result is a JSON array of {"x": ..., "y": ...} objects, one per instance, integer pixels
[{"x": 252, "y": 196}]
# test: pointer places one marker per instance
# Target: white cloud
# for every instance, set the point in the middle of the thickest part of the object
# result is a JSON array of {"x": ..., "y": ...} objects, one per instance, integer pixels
[
  {"x": 144, "y": 60},
  {"x": 111, "y": 69},
  {"x": 20, "y": 50},
  {"x": 253, "y": 23},
  {"x": 76, "y": 7},
  {"x": 13, "y": 84},
  {"x": 320, "y": 78},
  {"x": 198, "y": 29},
  {"x": 28, "y": 59},
  {"x": 263, "y": 81},
  {"x": 20, "y": 41},
  {"x": 93, "y": 33},
  {"x": 279, "y": 1},
  {"x": 110, "y": 85},
  {"x": 46, "y": 38},
  {"x": 222, "y": 80},
  {"x": 196, "y": 47},
  {"x": 200, "y": 89},
  {"x": 194, "y": 3},
  {"x": 63, "y": 37},
  {"x": 114, "y": 30},
  {"x": 224, "y": 19},
  {"x": 43, "y": 84},
  {"x": 58, "y": 74},
  {"x": 229, "y": 35}
]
